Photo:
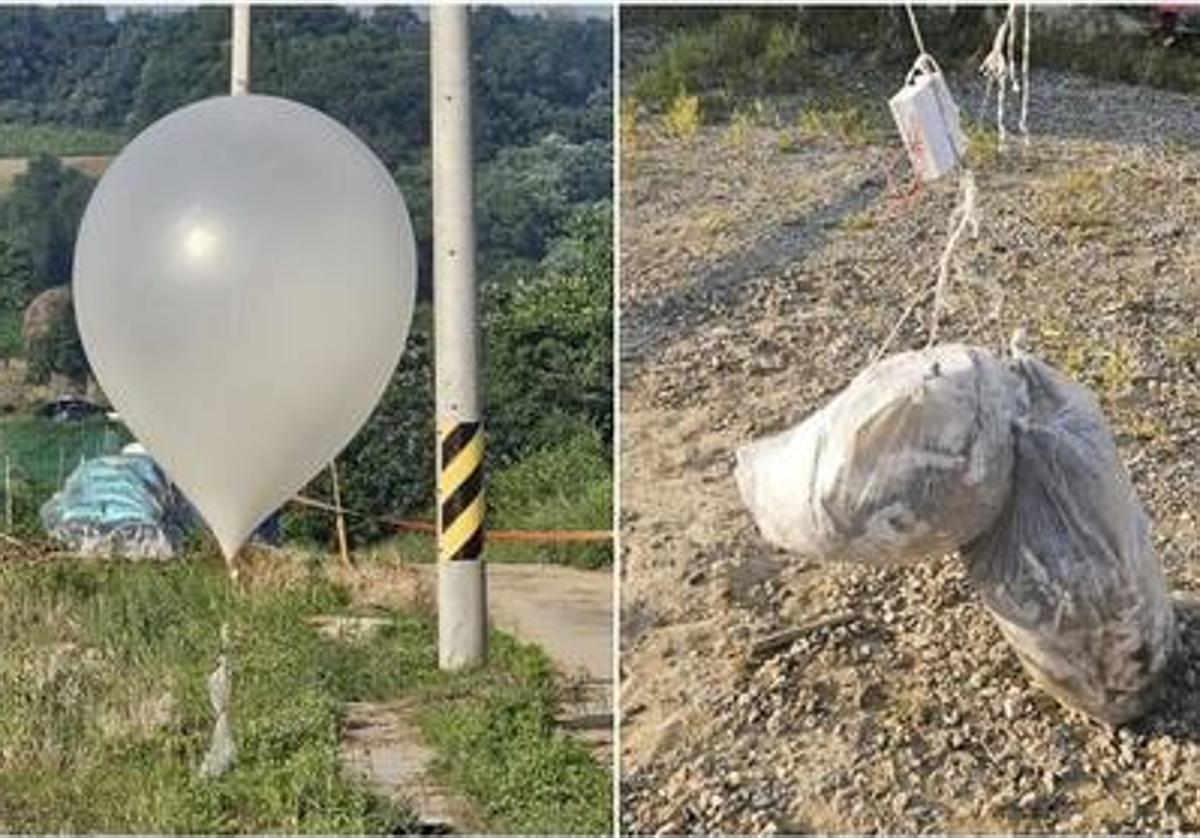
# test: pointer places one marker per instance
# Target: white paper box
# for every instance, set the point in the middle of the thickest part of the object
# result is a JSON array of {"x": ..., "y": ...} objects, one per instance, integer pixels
[{"x": 928, "y": 121}]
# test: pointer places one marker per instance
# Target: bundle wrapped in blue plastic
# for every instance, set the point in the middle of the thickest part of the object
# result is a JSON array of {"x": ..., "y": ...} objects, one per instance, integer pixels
[{"x": 121, "y": 505}]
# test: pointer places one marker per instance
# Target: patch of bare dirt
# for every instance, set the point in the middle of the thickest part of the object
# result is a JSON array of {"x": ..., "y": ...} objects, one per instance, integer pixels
[
  {"x": 758, "y": 277},
  {"x": 92, "y": 165}
]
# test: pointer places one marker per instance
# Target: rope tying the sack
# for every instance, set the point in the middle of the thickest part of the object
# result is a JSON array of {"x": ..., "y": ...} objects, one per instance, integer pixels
[{"x": 964, "y": 216}]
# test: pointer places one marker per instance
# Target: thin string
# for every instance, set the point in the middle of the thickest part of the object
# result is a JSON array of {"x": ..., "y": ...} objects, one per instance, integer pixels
[
  {"x": 1012, "y": 46},
  {"x": 916, "y": 30},
  {"x": 1002, "y": 71},
  {"x": 1024, "y": 125},
  {"x": 965, "y": 215}
]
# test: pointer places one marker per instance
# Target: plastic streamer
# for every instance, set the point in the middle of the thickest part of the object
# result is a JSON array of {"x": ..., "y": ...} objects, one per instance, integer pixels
[{"x": 999, "y": 68}]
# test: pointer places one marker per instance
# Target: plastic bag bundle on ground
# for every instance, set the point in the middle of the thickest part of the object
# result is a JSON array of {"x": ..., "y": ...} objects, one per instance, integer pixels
[
  {"x": 1069, "y": 570},
  {"x": 222, "y": 752},
  {"x": 119, "y": 505},
  {"x": 913, "y": 458}
]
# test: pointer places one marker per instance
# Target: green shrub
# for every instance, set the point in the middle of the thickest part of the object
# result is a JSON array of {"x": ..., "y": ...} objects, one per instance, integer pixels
[
  {"x": 549, "y": 341},
  {"x": 564, "y": 486},
  {"x": 740, "y": 54}
]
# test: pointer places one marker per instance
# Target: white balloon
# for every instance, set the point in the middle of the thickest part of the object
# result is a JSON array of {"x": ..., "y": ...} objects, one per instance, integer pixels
[{"x": 244, "y": 283}]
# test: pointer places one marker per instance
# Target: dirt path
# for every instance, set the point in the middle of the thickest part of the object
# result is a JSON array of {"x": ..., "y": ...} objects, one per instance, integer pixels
[
  {"x": 381, "y": 746},
  {"x": 758, "y": 275},
  {"x": 565, "y": 611},
  {"x": 568, "y": 613}
]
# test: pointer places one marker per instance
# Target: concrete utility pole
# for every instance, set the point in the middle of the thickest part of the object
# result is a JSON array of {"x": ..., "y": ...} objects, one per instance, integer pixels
[
  {"x": 462, "y": 584},
  {"x": 239, "y": 66}
]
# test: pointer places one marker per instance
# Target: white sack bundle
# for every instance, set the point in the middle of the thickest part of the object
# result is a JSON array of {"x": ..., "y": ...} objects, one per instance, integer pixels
[
  {"x": 913, "y": 458},
  {"x": 1069, "y": 571}
]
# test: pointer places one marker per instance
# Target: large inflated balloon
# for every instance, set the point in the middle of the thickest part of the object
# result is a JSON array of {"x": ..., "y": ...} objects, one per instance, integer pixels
[{"x": 244, "y": 283}]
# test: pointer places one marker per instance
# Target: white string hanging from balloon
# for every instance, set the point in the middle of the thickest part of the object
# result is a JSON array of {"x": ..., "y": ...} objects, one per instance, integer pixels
[
  {"x": 999, "y": 68},
  {"x": 1024, "y": 123}
]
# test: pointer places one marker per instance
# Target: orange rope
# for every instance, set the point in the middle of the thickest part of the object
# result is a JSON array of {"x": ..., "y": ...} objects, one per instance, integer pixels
[{"x": 412, "y": 525}]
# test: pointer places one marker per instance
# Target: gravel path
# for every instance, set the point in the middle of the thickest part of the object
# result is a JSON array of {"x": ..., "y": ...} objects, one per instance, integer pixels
[{"x": 757, "y": 278}]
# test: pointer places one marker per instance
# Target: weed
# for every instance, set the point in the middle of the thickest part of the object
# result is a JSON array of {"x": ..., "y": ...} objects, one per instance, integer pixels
[
  {"x": 1183, "y": 347},
  {"x": 741, "y": 53},
  {"x": 983, "y": 145},
  {"x": 739, "y": 128},
  {"x": 1117, "y": 371},
  {"x": 789, "y": 143},
  {"x": 1145, "y": 427},
  {"x": 682, "y": 118},
  {"x": 12, "y": 336},
  {"x": 492, "y": 730},
  {"x": 567, "y": 486},
  {"x": 1078, "y": 203},
  {"x": 630, "y": 136},
  {"x": 847, "y": 124},
  {"x": 859, "y": 221}
]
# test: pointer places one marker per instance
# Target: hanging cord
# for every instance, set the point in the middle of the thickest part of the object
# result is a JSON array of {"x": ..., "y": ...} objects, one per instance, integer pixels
[
  {"x": 916, "y": 30},
  {"x": 1024, "y": 124},
  {"x": 1000, "y": 69},
  {"x": 965, "y": 215},
  {"x": 997, "y": 71}
]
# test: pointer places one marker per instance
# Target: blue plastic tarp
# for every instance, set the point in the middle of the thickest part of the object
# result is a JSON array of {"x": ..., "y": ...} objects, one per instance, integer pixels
[{"x": 119, "y": 505}]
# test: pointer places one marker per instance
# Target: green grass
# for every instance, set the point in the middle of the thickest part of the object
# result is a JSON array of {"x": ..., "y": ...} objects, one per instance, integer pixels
[
  {"x": 24, "y": 140},
  {"x": 494, "y": 733},
  {"x": 566, "y": 486},
  {"x": 41, "y": 454},
  {"x": 106, "y": 715}
]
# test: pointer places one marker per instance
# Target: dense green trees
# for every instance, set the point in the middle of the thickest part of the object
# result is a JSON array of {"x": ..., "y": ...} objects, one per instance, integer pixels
[
  {"x": 39, "y": 218},
  {"x": 367, "y": 68},
  {"x": 549, "y": 341},
  {"x": 41, "y": 213}
]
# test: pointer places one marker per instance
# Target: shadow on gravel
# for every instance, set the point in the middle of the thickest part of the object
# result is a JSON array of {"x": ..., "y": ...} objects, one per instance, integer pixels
[
  {"x": 1177, "y": 712},
  {"x": 645, "y": 324}
]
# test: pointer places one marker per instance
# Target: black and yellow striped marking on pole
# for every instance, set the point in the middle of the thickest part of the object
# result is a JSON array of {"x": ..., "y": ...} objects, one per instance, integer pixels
[{"x": 460, "y": 492}]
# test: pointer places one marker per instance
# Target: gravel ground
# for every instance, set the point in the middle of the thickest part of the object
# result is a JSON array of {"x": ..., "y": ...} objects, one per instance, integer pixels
[{"x": 758, "y": 276}]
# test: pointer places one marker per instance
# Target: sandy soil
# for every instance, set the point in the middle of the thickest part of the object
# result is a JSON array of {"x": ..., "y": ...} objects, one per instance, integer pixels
[{"x": 90, "y": 164}]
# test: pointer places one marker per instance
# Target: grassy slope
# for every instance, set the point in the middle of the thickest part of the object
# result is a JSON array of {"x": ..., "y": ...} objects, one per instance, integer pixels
[{"x": 106, "y": 713}]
